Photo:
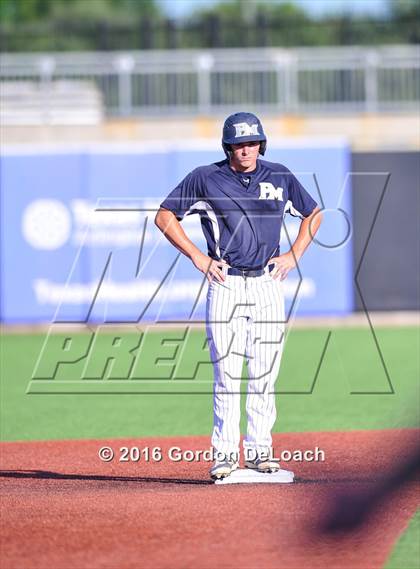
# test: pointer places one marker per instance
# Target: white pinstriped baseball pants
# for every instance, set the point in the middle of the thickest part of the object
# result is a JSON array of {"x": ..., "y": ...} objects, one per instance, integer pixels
[{"x": 245, "y": 318}]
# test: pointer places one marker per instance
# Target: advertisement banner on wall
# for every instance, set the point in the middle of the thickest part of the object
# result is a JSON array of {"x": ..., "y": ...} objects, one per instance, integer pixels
[{"x": 79, "y": 242}]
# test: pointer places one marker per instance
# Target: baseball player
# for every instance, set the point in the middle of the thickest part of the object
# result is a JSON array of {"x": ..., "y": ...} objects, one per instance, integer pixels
[{"x": 241, "y": 202}]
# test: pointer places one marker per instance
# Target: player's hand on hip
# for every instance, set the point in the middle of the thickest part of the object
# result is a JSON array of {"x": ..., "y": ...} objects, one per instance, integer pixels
[
  {"x": 283, "y": 264},
  {"x": 211, "y": 268}
]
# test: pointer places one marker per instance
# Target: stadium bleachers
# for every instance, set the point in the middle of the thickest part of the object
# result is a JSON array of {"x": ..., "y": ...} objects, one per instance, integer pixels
[{"x": 54, "y": 102}]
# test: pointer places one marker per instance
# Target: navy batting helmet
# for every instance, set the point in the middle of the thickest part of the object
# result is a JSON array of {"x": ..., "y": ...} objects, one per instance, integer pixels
[{"x": 243, "y": 127}]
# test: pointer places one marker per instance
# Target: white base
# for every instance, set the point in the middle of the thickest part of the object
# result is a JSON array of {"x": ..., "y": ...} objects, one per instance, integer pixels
[{"x": 249, "y": 476}]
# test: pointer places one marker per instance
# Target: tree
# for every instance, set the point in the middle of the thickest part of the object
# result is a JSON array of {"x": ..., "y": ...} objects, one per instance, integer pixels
[
  {"x": 405, "y": 15},
  {"x": 30, "y": 11}
]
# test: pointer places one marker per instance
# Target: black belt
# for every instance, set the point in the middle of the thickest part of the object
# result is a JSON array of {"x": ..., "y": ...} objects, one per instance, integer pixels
[{"x": 244, "y": 273}]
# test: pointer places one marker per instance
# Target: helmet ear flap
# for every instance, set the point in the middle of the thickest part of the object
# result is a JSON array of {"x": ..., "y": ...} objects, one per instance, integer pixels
[
  {"x": 227, "y": 149},
  {"x": 263, "y": 147}
]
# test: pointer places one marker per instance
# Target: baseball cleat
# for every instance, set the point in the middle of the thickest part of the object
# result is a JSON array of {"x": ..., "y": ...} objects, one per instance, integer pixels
[
  {"x": 222, "y": 469},
  {"x": 263, "y": 464}
]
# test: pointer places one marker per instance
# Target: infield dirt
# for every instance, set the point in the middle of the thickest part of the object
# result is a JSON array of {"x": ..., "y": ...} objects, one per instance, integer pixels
[{"x": 62, "y": 507}]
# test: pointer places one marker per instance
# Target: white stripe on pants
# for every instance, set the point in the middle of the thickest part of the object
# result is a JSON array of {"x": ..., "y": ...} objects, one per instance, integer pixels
[{"x": 245, "y": 317}]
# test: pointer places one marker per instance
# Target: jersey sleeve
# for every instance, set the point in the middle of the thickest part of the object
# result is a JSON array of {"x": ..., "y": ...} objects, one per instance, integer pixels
[
  {"x": 300, "y": 202},
  {"x": 187, "y": 193}
]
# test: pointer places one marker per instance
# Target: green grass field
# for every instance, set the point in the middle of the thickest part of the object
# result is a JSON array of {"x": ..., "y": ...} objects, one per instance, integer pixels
[
  {"x": 348, "y": 390},
  {"x": 184, "y": 407},
  {"x": 406, "y": 554}
]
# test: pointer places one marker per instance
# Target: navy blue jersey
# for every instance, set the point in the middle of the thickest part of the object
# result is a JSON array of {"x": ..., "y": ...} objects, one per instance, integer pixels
[{"x": 241, "y": 212}]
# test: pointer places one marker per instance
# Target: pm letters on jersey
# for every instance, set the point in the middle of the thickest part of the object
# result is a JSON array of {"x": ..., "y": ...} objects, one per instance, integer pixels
[{"x": 269, "y": 192}]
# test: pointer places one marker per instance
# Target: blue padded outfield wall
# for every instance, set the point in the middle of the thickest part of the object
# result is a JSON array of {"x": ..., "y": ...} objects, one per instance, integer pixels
[{"x": 79, "y": 242}]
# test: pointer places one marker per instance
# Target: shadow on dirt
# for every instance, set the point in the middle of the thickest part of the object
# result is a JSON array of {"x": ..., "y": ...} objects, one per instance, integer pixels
[{"x": 47, "y": 475}]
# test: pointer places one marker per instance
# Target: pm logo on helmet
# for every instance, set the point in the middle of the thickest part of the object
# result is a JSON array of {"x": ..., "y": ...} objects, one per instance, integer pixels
[{"x": 245, "y": 129}]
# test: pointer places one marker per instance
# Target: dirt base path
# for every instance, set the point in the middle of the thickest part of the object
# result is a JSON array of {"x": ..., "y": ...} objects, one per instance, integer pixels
[{"x": 63, "y": 508}]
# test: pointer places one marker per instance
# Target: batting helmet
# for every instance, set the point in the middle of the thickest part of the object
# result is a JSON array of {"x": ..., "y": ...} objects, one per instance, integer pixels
[{"x": 243, "y": 127}]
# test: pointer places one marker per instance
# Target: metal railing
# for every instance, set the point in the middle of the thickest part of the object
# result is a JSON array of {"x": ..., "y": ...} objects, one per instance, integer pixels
[{"x": 302, "y": 80}]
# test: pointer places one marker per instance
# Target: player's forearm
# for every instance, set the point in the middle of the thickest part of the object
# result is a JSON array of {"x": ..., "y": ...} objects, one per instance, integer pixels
[
  {"x": 167, "y": 222},
  {"x": 307, "y": 231}
]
